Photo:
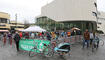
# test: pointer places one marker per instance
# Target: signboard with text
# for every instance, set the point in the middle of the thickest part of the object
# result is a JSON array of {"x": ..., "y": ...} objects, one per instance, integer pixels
[{"x": 28, "y": 44}]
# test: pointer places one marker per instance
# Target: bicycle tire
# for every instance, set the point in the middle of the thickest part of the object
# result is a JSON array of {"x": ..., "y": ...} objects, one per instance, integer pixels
[
  {"x": 101, "y": 42},
  {"x": 32, "y": 52},
  {"x": 50, "y": 54}
]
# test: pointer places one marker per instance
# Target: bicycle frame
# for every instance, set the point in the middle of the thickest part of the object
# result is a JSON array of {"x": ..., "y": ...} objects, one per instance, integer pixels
[{"x": 41, "y": 51}]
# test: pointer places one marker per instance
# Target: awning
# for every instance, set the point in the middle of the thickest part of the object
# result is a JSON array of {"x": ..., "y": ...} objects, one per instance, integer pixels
[
  {"x": 33, "y": 29},
  {"x": 4, "y": 31}
]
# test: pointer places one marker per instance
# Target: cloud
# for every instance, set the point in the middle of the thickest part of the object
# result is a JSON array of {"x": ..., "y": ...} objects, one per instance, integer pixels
[
  {"x": 28, "y": 9},
  {"x": 101, "y": 5},
  {"x": 25, "y": 9}
]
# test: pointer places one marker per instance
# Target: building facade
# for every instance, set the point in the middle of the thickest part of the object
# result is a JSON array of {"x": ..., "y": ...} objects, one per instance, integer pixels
[
  {"x": 16, "y": 25},
  {"x": 73, "y": 13},
  {"x": 49, "y": 24},
  {"x": 4, "y": 22},
  {"x": 101, "y": 20},
  {"x": 6, "y": 25}
]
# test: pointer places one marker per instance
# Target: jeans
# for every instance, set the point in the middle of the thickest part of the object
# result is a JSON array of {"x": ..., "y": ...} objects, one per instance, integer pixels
[{"x": 86, "y": 41}]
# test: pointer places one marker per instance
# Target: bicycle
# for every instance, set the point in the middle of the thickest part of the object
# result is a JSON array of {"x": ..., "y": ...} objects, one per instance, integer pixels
[
  {"x": 36, "y": 51},
  {"x": 96, "y": 43},
  {"x": 60, "y": 50}
]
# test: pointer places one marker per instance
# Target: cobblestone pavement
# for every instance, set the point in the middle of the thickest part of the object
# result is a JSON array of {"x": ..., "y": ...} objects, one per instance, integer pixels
[{"x": 77, "y": 53}]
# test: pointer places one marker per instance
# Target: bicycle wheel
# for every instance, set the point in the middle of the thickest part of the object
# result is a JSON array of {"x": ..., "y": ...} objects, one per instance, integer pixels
[
  {"x": 49, "y": 54},
  {"x": 33, "y": 52},
  {"x": 101, "y": 43}
]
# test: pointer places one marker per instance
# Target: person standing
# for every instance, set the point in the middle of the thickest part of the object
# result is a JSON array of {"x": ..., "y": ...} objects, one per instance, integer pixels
[
  {"x": 1, "y": 36},
  {"x": 48, "y": 36},
  {"x": 36, "y": 34},
  {"x": 17, "y": 38},
  {"x": 10, "y": 38},
  {"x": 68, "y": 34},
  {"x": 20, "y": 34},
  {"x": 86, "y": 38},
  {"x": 91, "y": 37},
  {"x": 62, "y": 34},
  {"x": 32, "y": 35},
  {"x": 27, "y": 35},
  {"x": 96, "y": 38},
  {"x": 4, "y": 38},
  {"x": 42, "y": 35}
]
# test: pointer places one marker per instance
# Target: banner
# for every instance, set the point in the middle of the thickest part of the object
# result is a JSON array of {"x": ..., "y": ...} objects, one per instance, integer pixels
[{"x": 28, "y": 44}]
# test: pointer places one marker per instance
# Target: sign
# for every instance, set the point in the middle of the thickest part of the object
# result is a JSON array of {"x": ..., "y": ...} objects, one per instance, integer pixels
[{"x": 28, "y": 44}]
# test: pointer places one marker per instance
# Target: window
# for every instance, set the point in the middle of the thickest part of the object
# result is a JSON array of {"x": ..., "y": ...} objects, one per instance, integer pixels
[{"x": 3, "y": 20}]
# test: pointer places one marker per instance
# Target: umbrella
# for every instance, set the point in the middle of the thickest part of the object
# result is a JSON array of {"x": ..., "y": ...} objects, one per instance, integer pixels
[{"x": 75, "y": 28}]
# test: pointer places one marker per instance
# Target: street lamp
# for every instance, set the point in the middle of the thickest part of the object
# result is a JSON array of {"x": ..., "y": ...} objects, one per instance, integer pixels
[{"x": 16, "y": 18}]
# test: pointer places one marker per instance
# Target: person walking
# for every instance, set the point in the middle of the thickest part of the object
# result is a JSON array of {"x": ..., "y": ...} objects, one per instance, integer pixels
[
  {"x": 17, "y": 38},
  {"x": 86, "y": 38}
]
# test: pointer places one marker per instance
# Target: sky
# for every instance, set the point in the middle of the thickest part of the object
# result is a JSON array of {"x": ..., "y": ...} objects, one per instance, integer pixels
[
  {"x": 101, "y": 5},
  {"x": 25, "y": 9},
  {"x": 29, "y": 9}
]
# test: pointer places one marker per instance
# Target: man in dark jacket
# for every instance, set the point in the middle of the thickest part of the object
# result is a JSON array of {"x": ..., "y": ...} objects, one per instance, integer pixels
[
  {"x": 86, "y": 38},
  {"x": 48, "y": 36},
  {"x": 17, "y": 38}
]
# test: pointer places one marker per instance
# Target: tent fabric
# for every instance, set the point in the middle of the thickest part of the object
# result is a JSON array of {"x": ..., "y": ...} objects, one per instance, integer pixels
[{"x": 33, "y": 29}]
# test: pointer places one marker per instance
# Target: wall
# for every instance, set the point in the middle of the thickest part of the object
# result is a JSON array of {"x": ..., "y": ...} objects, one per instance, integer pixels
[
  {"x": 4, "y": 15},
  {"x": 70, "y": 10}
]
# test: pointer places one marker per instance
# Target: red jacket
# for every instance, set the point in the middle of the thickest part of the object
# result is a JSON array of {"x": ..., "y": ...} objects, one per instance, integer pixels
[{"x": 21, "y": 35}]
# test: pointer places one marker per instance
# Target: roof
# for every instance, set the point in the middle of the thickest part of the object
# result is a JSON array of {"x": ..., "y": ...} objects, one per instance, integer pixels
[
  {"x": 4, "y": 31},
  {"x": 15, "y": 22},
  {"x": 4, "y": 15},
  {"x": 19, "y": 29}
]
